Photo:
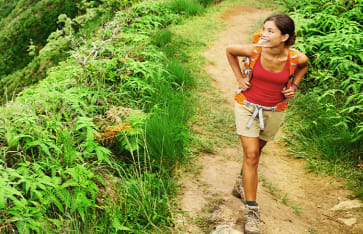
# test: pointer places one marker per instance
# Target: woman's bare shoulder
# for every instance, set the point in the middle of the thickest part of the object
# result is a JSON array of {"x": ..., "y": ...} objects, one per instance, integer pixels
[
  {"x": 240, "y": 50},
  {"x": 303, "y": 59}
]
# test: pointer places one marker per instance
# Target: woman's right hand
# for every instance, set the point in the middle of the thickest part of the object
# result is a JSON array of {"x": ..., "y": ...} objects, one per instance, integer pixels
[
  {"x": 232, "y": 52},
  {"x": 243, "y": 84}
]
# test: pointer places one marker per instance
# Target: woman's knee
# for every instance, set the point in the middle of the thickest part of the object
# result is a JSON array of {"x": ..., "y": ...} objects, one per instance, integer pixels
[{"x": 252, "y": 157}]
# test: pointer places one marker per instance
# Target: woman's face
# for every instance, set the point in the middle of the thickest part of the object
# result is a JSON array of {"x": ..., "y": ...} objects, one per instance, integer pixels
[{"x": 271, "y": 35}]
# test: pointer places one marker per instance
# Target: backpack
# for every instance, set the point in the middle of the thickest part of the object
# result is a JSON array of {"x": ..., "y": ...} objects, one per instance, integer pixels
[{"x": 248, "y": 63}]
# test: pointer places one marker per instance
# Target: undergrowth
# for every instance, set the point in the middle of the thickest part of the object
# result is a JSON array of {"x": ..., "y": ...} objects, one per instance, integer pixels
[
  {"x": 94, "y": 146},
  {"x": 324, "y": 123},
  {"x": 45, "y": 39}
]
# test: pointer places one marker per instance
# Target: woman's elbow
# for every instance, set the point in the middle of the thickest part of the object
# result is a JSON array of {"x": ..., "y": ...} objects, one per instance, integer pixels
[{"x": 229, "y": 51}]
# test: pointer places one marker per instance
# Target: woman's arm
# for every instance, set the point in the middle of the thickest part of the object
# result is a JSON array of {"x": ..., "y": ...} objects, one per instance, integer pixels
[
  {"x": 232, "y": 52},
  {"x": 302, "y": 67}
]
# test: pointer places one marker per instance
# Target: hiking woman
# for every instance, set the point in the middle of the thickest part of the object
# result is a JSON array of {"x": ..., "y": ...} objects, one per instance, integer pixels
[{"x": 261, "y": 99}]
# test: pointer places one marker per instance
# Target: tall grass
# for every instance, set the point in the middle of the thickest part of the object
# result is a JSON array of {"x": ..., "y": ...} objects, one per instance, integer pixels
[
  {"x": 145, "y": 199},
  {"x": 188, "y": 7},
  {"x": 166, "y": 137}
]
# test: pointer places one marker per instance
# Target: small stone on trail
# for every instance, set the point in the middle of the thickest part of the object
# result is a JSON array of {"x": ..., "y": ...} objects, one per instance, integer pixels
[
  {"x": 215, "y": 215},
  {"x": 348, "y": 222},
  {"x": 225, "y": 229},
  {"x": 346, "y": 205}
]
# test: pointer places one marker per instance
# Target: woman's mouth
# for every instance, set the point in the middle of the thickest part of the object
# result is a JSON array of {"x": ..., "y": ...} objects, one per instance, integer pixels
[{"x": 263, "y": 41}]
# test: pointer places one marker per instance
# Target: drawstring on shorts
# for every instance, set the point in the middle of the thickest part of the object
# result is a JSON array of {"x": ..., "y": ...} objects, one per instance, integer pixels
[{"x": 258, "y": 110}]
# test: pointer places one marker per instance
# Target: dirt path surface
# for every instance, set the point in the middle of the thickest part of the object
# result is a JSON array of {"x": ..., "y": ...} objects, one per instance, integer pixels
[{"x": 291, "y": 199}]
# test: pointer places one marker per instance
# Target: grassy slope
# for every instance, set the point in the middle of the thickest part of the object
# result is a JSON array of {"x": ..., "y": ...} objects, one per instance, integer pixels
[
  {"x": 123, "y": 183},
  {"x": 50, "y": 135},
  {"x": 56, "y": 173}
]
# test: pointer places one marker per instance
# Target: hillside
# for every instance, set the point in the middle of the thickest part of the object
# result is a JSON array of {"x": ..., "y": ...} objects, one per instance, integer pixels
[
  {"x": 83, "y": 149},
  {"x": 33, "y": 38},
  {"x": 103, "y": 102}
]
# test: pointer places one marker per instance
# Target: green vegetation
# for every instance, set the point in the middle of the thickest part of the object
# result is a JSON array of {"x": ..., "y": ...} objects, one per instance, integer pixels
[
  {"x": 94, "y": 146},
  {"x": 6, "y": 8},
  {"x": 325, "y": 120},
  {"x": 28, "y": 23},
  {"x": 34, "y": 38}
]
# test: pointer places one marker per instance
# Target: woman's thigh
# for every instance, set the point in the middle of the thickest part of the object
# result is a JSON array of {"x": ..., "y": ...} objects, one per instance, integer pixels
[{"x": 251, "y": 145}]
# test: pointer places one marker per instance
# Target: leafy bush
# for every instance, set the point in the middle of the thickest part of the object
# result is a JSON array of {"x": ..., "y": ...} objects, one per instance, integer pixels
[
  {"x": 332, "y": 42},
  {"x": 325, "y": 121}
]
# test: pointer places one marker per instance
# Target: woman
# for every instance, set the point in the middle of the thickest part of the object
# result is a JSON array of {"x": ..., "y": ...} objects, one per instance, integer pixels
[{"x": 266, "y": 89}]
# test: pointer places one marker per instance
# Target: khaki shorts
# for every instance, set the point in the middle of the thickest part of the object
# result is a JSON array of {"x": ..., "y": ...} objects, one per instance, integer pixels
[{"x": 272, "y": 121}]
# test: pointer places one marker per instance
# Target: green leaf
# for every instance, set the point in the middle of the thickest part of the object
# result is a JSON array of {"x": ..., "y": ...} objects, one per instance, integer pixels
[
  {"x": 102, "y": 154},
  {"x": 22, "y": 227},
  {"x": 116, "y": 224}
]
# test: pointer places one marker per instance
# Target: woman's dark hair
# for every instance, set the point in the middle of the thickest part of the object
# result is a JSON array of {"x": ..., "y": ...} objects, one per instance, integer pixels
[{"x": 286, "y": 25}]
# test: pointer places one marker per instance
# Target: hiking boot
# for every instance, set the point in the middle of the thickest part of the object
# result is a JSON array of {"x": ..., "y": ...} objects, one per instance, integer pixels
[
  {"x": 252, "y": 225},
  {"x": 238, "y": 190}
]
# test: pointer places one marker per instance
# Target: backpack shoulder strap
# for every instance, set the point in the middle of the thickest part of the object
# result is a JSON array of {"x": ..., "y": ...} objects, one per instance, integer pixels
[
  {"x": 293, "y": 60},
  {"x": 249, "y": 62},
  {"x": 256, "y": 51},
  {"x": 293, "y": 65}
]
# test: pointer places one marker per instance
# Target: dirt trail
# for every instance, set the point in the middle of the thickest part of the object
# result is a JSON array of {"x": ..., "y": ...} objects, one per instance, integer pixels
[{"x": 207, "y": 199}]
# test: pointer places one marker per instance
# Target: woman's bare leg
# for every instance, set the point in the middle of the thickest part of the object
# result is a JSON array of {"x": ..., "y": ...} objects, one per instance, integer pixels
[{"x": 252, "y": 147}]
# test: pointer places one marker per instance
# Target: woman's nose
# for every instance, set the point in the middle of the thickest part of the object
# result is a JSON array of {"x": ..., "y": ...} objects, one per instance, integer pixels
[{"x": 263, "y": 33}]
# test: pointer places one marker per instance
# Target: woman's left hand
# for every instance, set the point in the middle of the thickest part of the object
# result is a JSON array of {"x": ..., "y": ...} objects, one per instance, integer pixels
[{"x": 289, "y": 93}]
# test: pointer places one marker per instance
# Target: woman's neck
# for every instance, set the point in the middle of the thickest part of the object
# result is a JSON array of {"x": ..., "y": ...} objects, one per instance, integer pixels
[{"x": 276, "y": 52}]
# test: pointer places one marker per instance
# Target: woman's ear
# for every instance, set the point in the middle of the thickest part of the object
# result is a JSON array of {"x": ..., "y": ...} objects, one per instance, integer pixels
[{"x": 285, "y": 37}]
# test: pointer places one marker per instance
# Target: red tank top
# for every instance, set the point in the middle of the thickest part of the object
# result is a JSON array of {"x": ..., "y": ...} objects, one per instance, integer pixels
[{"x": 266, "y": 86}]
